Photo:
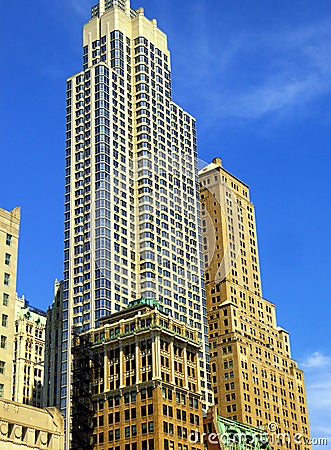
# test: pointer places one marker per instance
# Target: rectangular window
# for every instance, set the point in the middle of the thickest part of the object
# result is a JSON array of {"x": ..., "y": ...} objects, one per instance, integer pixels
[
  {"x": 3, "y": 342},
  {"x": 6, "y": 279},
  {"x": 4, "y": 321},
  {"x": 1, "y": 390},
  {"x": 5, "y": 299},
  {"x": 2, "y": 367},
  {"x": 7, "y": 259},
  {"x": 8, "y": 239}
]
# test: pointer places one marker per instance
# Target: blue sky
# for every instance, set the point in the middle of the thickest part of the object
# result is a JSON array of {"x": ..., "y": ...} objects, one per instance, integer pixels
[{"x": 257, "y": 76}]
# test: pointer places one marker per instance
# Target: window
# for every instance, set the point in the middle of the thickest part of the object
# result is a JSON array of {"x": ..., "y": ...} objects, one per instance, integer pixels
[
  {"x": 2, "y": 366},
  {"x": 5, "y": 299},
  {"x": 8, "y": 239},
  {"x": 101, "y": 438},
  {"x": 7, "y": 259},
  {"x": 6, "y": 279},
  {"x": 3, "y": 342},
  {"x": 4, "y": 321},
  {"x": 1, "y": 390}
]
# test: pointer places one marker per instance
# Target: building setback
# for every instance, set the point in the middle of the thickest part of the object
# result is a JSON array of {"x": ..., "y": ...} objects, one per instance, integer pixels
[
  {"x": 132, "y": 210},
  {"x": 9, "y": 233},
  {"x": 254, "y": 378},
  {"x": 136, "y": 383}
]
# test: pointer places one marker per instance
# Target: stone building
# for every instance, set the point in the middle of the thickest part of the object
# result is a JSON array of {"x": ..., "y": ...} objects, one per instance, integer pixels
[
  {"x": 9, "y": 234},
  {"x": 26, "y": 427},
  {"x": 29, "y": 354},
  {"x": 136, "y": 383}
]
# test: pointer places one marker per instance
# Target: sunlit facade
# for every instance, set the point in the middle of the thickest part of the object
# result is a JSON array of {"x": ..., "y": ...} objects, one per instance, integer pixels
[
  {"x": 254, "y": 378},
  {"x": 9, "y": 235},
  {"x": 29, "y": 354}
]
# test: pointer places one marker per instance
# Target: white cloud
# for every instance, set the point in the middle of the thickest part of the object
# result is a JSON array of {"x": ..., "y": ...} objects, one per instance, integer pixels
[
  {"x": 316, "y": 360},
  {"x": 317, "y": 368}
]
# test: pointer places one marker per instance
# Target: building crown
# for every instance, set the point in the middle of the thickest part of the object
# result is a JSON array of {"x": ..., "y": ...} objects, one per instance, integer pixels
[{"x": 104, "y": 5}]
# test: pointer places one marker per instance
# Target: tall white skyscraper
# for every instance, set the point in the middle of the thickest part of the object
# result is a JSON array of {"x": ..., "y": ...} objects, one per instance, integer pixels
[{"x": 132, "y": 214}]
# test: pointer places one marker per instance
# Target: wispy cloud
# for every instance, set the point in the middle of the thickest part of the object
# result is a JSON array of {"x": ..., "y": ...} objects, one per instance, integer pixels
[
  {"x": 298, "y": 72},
  {"x": 275, "y": 94},
  {"x": 259, "y": 74},
  {"x": 317, "y": 360},
  {"x": 80, "y": 6},
  {"x": 318, "y": 385}
]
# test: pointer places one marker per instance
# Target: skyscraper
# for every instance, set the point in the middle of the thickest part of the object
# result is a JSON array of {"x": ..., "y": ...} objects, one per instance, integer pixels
[
  {"x": 254, "y": 378},
  {"x": 132, "y": 226}
]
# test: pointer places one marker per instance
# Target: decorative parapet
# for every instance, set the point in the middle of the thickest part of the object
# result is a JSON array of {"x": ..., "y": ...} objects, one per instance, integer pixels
[{"x": 23, "y": 426}]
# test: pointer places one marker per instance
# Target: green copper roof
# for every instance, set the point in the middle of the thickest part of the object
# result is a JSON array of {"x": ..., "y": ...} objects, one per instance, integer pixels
[
  {"x": 32, "y": 315},
  {"x": 146, "y": 301},
  {"x": 237, "y": 436}
]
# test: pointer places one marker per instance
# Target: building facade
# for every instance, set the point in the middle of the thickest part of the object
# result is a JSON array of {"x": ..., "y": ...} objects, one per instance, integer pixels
[
  {"x": 132, "y": 210},
  {"x": 26, "y": 427},
  {"x": 254, "y": 378},
  {"x": 9, "y": 233},
  {"x": 136, "y": 383},
  {"x": 29, "y": 354}
]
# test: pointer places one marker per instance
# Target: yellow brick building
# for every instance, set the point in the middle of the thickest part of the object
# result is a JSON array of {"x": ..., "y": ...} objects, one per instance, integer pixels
[{"x": 254, "y": 378}]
